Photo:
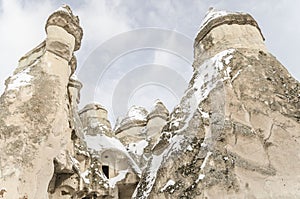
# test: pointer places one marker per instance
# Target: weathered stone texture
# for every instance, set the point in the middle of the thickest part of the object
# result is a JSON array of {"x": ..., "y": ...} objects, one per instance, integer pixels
[
  {"x": 35, "y": 118},
  {"x": 242, "y": 140},
  {"x": 234, "y": 134}
]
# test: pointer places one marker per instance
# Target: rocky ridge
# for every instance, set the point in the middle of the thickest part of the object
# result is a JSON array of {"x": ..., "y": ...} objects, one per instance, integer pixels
[{"x": 232, "y": 135}]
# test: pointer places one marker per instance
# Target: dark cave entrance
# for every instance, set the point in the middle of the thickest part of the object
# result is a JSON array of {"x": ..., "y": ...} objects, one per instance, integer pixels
[{"x": 105, "y": 170}]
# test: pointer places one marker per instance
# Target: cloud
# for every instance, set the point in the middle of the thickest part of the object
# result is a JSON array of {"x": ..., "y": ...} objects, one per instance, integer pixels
[
  {"x": 21, "y": 29},
  {"x": 100, "y": 21}
]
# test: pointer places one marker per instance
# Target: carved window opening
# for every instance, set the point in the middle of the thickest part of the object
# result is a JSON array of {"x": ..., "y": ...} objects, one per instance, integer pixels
[
  {"x": 64, "y": 193},
  {"x": 105, "y": 170}
]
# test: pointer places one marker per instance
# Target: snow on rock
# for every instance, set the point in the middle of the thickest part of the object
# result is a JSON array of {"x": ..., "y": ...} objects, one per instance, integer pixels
[
  {"x": 137, "y": 113},
  {"x": 207, "y": 71},
  {"x": 201, "y": 175},
  {"x": 19, "y": 80},
  {"x": 102, "y": 142},
  {"x": 96, "y": 124},
  {"x": 203, "y": 114},
  {"x": 84, "y": 177},
  {"x": 205, "y": 160},
  {"x": 138, "y": 147},
  {"x": 156, "y": 163},
  {"x": 236, "y": 75},
  {"x": 203, "y": 84},
  {"x": 169, "y": 183},
  {"x": 189, "y": 148},
  {"x": 64, "y": 8},
  {"x": 159, "y": 109},
  {"x": 113, "y": 181},
  {"x": 212, "y": 14},
  {"x": 74, "y": 77},
  {"x": 227, "y": 59}
]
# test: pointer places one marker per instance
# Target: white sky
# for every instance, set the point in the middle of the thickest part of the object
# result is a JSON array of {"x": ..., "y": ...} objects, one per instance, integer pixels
[{"x": 22, "y": 28}]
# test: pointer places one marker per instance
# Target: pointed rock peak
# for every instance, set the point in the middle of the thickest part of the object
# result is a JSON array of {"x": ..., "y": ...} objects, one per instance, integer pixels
[
  {"x": 65, "y": 8},
  {"x": 159, "y": 110},
  {"x": 215, "y": 18},
  {"x": 74, "y": 82},
  {"x": 214, "y": 13},
  {"x": 137, "y": 113},
  {"x": 92, "y": 106},
  {"x": 64, "y": 18},
  {"x": 158, "y": 102},
  {"x": 136, "y": 116}
]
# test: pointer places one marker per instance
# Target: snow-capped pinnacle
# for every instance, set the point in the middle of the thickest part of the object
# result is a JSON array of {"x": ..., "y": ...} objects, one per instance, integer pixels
[
  {"x": 215, "y": 18},
  {"x": 63, "y": 17},
  {"x": 159, "y": 110},
  {"x": 214, "y": 13},
  {"x": 137, "y": 113},
  {"x": 92, "y": 106},
  {"x": 136, "y": 116},
  {"x": 65, "y": 8}
]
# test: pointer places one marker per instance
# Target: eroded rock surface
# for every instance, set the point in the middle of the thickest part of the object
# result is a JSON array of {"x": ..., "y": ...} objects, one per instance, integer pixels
[
  {"x": 34, "y": 115},
  {"x": 234, "y": 134}
]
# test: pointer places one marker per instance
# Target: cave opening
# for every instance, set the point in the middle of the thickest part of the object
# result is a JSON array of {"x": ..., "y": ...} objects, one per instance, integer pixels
[{"x": 105, "y": 170}]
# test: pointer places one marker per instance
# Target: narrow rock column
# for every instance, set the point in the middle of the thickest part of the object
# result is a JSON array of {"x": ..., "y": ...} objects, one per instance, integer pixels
[
  {"x": 34, "y": 126},
  {"x": 93, "y": 116}
]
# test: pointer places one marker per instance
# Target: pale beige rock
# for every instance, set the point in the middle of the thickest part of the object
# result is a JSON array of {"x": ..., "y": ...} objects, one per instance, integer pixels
[
  {"x": 241, "y": 137},
  {"x": 34, "y": 124},
  {"x": 235, "y": 133}
]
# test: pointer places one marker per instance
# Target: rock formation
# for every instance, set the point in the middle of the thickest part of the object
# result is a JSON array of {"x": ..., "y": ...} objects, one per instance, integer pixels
[
  {"x": 235, "y": 133},
  {"x": 35, "y": 112}
]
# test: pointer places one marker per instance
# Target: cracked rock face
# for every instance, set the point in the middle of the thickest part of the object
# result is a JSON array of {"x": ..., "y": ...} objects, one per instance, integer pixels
[
  {"x": 235, "y": 132},
  {"x": 35, "y": 114}
]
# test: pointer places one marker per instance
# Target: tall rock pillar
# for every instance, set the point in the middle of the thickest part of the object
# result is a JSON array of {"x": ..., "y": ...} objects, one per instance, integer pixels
[
  {"x": 34, "y": 114},
  {"x": 235, "y": 133}
]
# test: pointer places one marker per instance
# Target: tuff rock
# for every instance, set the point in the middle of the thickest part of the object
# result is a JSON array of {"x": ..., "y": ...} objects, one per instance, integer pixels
[{"x": 234, "y": 134}]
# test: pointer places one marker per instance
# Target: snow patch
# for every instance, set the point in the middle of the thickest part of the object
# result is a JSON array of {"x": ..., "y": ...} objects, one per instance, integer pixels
[
  {"x": 201, "y": 175},
  {"x": 97, "y": 124},
  {"x": 205, "y": 160},
  {"x": 169, "y": 183},
  {"x": 204, "y": 82},
  {"x": 227, "y": 59},
  {"x": 203, "y": 114},
  {"x": 113, "y": 181},
  {"x": 19, "y": 80},
  {"x": 189, "y": 148},
  {"x": 156, "y": 163},
  {"x": 84, "y": 176},
  {"x": 236, "y": 75},
  {"x": 64, "y": 9},
  {"x": 102, "y": 142},
  {"x": 137, "y": 113},
  {"x": 137, "y": 147},
  {"x": 175, "y": 123},
  {"x": 212, "y": 14}
]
